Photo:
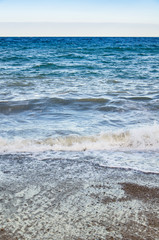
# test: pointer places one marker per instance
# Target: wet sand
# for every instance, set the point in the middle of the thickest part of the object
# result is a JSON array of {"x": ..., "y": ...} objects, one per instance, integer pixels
[{"x": 66, "y": 200}]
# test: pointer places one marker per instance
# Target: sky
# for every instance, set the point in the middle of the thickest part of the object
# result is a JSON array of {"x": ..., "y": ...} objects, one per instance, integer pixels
[{"x": 119, "y": 12}]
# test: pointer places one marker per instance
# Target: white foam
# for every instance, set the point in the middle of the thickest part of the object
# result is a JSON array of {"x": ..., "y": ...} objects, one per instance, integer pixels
[{"x": 139, "y": 138}]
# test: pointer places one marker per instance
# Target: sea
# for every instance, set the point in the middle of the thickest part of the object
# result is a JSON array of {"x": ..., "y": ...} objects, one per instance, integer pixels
[{"x": 89, "y": 99}]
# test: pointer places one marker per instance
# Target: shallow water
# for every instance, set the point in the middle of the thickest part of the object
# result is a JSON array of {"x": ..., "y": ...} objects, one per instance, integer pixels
[{"x": 96, "y": 99}]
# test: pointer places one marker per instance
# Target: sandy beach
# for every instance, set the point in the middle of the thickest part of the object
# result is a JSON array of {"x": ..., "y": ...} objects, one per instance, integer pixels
[{"x": 73, "y": 200}]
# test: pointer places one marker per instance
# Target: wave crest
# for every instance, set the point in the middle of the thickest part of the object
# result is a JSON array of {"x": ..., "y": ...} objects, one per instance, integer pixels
[{"x": 141, "y": 138}]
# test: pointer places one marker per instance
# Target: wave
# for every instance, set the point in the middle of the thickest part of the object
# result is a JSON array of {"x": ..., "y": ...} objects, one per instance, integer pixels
[
  {"x": 145, "y": 138},
  {"x": 58, "y": 66},
  {"x": 139, "y": 98},
  {"x": 47, "y": 65},
  {"x": 11, "y": 107}
]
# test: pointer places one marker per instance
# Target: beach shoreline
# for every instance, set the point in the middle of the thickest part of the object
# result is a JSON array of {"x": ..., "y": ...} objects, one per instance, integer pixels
[{"x": 77, "y": 200}]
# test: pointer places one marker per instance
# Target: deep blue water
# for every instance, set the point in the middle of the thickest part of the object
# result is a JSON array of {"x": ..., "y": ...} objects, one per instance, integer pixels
[{"x": 87, "y": 97}]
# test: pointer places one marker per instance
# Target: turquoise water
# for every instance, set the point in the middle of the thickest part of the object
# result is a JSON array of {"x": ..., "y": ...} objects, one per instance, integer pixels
[{"x": 95, "y": 99}]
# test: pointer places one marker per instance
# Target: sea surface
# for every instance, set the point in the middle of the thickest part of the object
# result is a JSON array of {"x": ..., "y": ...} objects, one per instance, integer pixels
[{"x": 86, "y": 99}]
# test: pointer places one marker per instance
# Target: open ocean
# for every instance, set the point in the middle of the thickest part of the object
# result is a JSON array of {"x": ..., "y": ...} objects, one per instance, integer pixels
[{"x": 86, "y": 99}]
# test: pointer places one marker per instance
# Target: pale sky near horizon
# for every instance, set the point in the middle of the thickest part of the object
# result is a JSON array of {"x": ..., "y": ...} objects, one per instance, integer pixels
[{"x": 82, "y": 11}]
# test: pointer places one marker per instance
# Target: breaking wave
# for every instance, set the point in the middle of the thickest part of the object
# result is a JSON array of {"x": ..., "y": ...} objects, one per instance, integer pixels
[{"x": 143, "y": 138}]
